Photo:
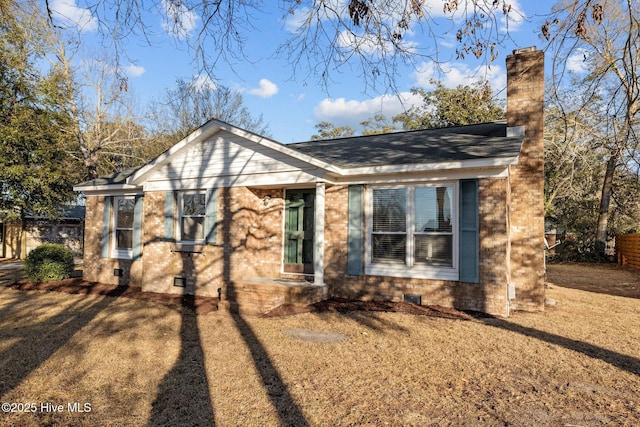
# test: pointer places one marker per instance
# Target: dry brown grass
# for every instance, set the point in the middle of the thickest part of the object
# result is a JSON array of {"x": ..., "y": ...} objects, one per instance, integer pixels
[{"x": 145, "y": 363}]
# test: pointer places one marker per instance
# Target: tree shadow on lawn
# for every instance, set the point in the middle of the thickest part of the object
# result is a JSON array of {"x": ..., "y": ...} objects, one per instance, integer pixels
[
  {"x": 38, "y": 342},
  {"x": 621, "y": 361},
  {"x": 288, "y": 410},
  {"x": 366, "y": 312},
  {"x": 183, "y": 396}
]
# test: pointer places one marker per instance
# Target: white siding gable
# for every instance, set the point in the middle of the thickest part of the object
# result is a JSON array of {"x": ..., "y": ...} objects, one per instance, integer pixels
[{"x": 228, "y": 160}]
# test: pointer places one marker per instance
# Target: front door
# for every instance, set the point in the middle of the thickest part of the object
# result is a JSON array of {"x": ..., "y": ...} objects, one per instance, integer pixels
[{"x": 298, "y": 231}]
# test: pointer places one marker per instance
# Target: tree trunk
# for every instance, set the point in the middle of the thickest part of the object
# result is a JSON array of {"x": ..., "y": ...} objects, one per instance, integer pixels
[{"x": 605, "y": 202}]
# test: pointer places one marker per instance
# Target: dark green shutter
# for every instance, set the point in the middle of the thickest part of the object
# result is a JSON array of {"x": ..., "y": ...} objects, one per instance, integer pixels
[
  {"x": 136, "y": 250},
  {"x": 469, "y": 231},
  {"x": 211, "y": 216},
  {"x": 169, "y": 216},
  {"x": 106, "y": 226},
  {"x": 355, "y": 241}
]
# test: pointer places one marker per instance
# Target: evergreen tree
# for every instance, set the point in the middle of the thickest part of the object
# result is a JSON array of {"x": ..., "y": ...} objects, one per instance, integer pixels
[{"x": 35, "y": 172}]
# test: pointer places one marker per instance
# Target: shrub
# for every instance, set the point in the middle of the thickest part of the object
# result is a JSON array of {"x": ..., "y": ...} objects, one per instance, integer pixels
[{"x": 49, "y": 262}]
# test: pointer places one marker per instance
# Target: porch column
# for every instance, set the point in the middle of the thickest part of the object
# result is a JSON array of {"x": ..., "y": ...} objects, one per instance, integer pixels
[{"x": 318, "y": 247}]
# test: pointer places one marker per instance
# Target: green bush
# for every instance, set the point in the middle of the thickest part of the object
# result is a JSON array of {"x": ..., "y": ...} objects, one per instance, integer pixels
[{"x": 49, "y": 262}]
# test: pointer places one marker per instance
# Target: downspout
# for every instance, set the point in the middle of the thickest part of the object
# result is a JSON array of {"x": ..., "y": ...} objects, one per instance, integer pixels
[
  {"x": 318, "y": 248},
  {"x": 511, "y": 287}
]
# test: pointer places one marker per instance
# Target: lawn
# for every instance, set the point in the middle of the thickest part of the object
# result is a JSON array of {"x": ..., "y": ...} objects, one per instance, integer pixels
[{"x": 112, "y": 361}]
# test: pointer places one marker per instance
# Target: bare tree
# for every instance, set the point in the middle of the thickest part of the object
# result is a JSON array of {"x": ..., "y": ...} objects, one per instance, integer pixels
[
  {"x": 605, "y": 37},
  {"x": 322, "y": 36},
  {"x": 190, "y": 104},
  {"x": 104, "y": 127}
]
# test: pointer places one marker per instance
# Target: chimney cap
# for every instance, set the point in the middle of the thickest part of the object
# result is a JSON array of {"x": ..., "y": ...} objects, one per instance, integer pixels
[{"x": 524, "y": 50}]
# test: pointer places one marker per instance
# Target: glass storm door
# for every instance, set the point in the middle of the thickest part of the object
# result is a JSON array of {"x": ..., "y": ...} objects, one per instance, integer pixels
[{"x": 298, "y": 231}]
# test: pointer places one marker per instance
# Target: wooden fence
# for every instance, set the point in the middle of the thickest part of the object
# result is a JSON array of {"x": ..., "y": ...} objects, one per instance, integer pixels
[{"x": 628, "y": 250}]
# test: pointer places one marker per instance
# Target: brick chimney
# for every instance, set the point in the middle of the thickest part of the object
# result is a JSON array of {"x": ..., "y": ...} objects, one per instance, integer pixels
[{"x": 525, "y": 107}]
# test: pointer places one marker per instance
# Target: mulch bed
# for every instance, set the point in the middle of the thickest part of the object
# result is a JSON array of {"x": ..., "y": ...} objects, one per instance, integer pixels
[
  {"x": 204, "y": 305},
  {"x": 197, "y": 304}
]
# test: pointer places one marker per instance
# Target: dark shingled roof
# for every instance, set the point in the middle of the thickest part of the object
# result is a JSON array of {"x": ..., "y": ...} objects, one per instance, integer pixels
[
  {"x": 64, "y": 212},
  {"x": 454, "y": 144},
  {"x": 416, "y": 147},
  {"x": 115, "y": 178}
]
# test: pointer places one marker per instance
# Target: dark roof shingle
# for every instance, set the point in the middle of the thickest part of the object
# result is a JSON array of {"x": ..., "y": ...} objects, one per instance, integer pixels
[{"x": 416, "y": 147}]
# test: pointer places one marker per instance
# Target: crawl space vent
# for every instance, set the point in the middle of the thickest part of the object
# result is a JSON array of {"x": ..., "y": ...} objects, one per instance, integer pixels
[{"x": 413, "y": 298}]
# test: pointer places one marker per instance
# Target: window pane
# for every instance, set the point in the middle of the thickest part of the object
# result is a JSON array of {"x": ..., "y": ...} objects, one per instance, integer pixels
[
  {"x": 389, "y": 210},
  {"x": 433, "y": 209},
  {"x": 193, "y": 204},
  {"x": 434, "y": 249},
  {"x": 389, "y": 247},
  {"x": 193, "y": 228},
  {"x": 124, "y": 239},
  {"x": 125, "y": 213}
]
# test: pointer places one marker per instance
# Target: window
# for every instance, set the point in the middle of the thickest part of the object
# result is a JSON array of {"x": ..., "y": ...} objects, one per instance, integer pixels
[
  {"x": 433, "y": 234},
  {"x": 389, "y": 235},
  {"x": 192, "y": 211},
  {"x": 412, "y": 231},
  {"x": 123, "y": 221}
]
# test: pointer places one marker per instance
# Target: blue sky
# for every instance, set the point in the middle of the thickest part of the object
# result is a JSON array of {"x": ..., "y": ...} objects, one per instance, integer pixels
[{"x": 290, "y": 107}]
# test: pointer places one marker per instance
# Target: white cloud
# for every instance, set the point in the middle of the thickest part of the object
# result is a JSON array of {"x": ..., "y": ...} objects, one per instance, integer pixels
[
  {"x": 457, "y": 74},
  {"x": 296, "y": 19},
  {"x": 434, "y": 9},
  {"x": 134, "y": 70},
  {"x": 68, "y": 12},
  {"x": 202, "y": 81},
  {"x": 301, "y": 15},
  {"x": 266, "y": 90},
  {"x": 178, "y": 20},
  {"x": 578, "y": 62},
  {"x": 343, "y": 112},
  {"x": 516, "y": 17},
  {"x": 371, "y": 44}
]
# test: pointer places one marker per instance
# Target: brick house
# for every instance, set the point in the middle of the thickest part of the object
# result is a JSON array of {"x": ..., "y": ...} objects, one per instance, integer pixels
[{"x": 451, "y": 216}]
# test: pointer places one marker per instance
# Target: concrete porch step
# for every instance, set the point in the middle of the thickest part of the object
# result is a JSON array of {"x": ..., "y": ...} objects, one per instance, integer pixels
[{"x": 261, "y": 294}]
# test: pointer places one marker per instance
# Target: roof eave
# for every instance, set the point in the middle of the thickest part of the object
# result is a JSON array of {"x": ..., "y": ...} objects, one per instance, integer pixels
[
  {"x": 431, "y": 167},
  {"x": 96, "y": 190}
]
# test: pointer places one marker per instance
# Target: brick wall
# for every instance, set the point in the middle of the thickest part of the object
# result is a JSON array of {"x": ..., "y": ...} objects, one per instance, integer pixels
[
  {"x": 96, "y": 268},
  {"x": 490, "y": 295},
  {"x": 525, "y": 103},
  {"x": 249, "y": 244}
]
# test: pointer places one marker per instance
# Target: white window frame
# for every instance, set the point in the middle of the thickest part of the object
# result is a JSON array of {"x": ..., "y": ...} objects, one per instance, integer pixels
[
  {"x": 409, "y": 268},
  {"x": 116, "y": 252},
  {"x": 180, "y": 200}
]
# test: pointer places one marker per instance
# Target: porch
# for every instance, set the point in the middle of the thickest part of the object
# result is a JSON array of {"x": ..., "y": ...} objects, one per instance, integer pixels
[{"x": 259, "y": 295}]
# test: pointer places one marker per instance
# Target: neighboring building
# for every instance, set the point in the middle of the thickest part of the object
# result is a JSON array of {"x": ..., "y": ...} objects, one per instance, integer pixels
[
  {"x": 451, "y": 216},
  {"x": 19, "y": 237}
]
